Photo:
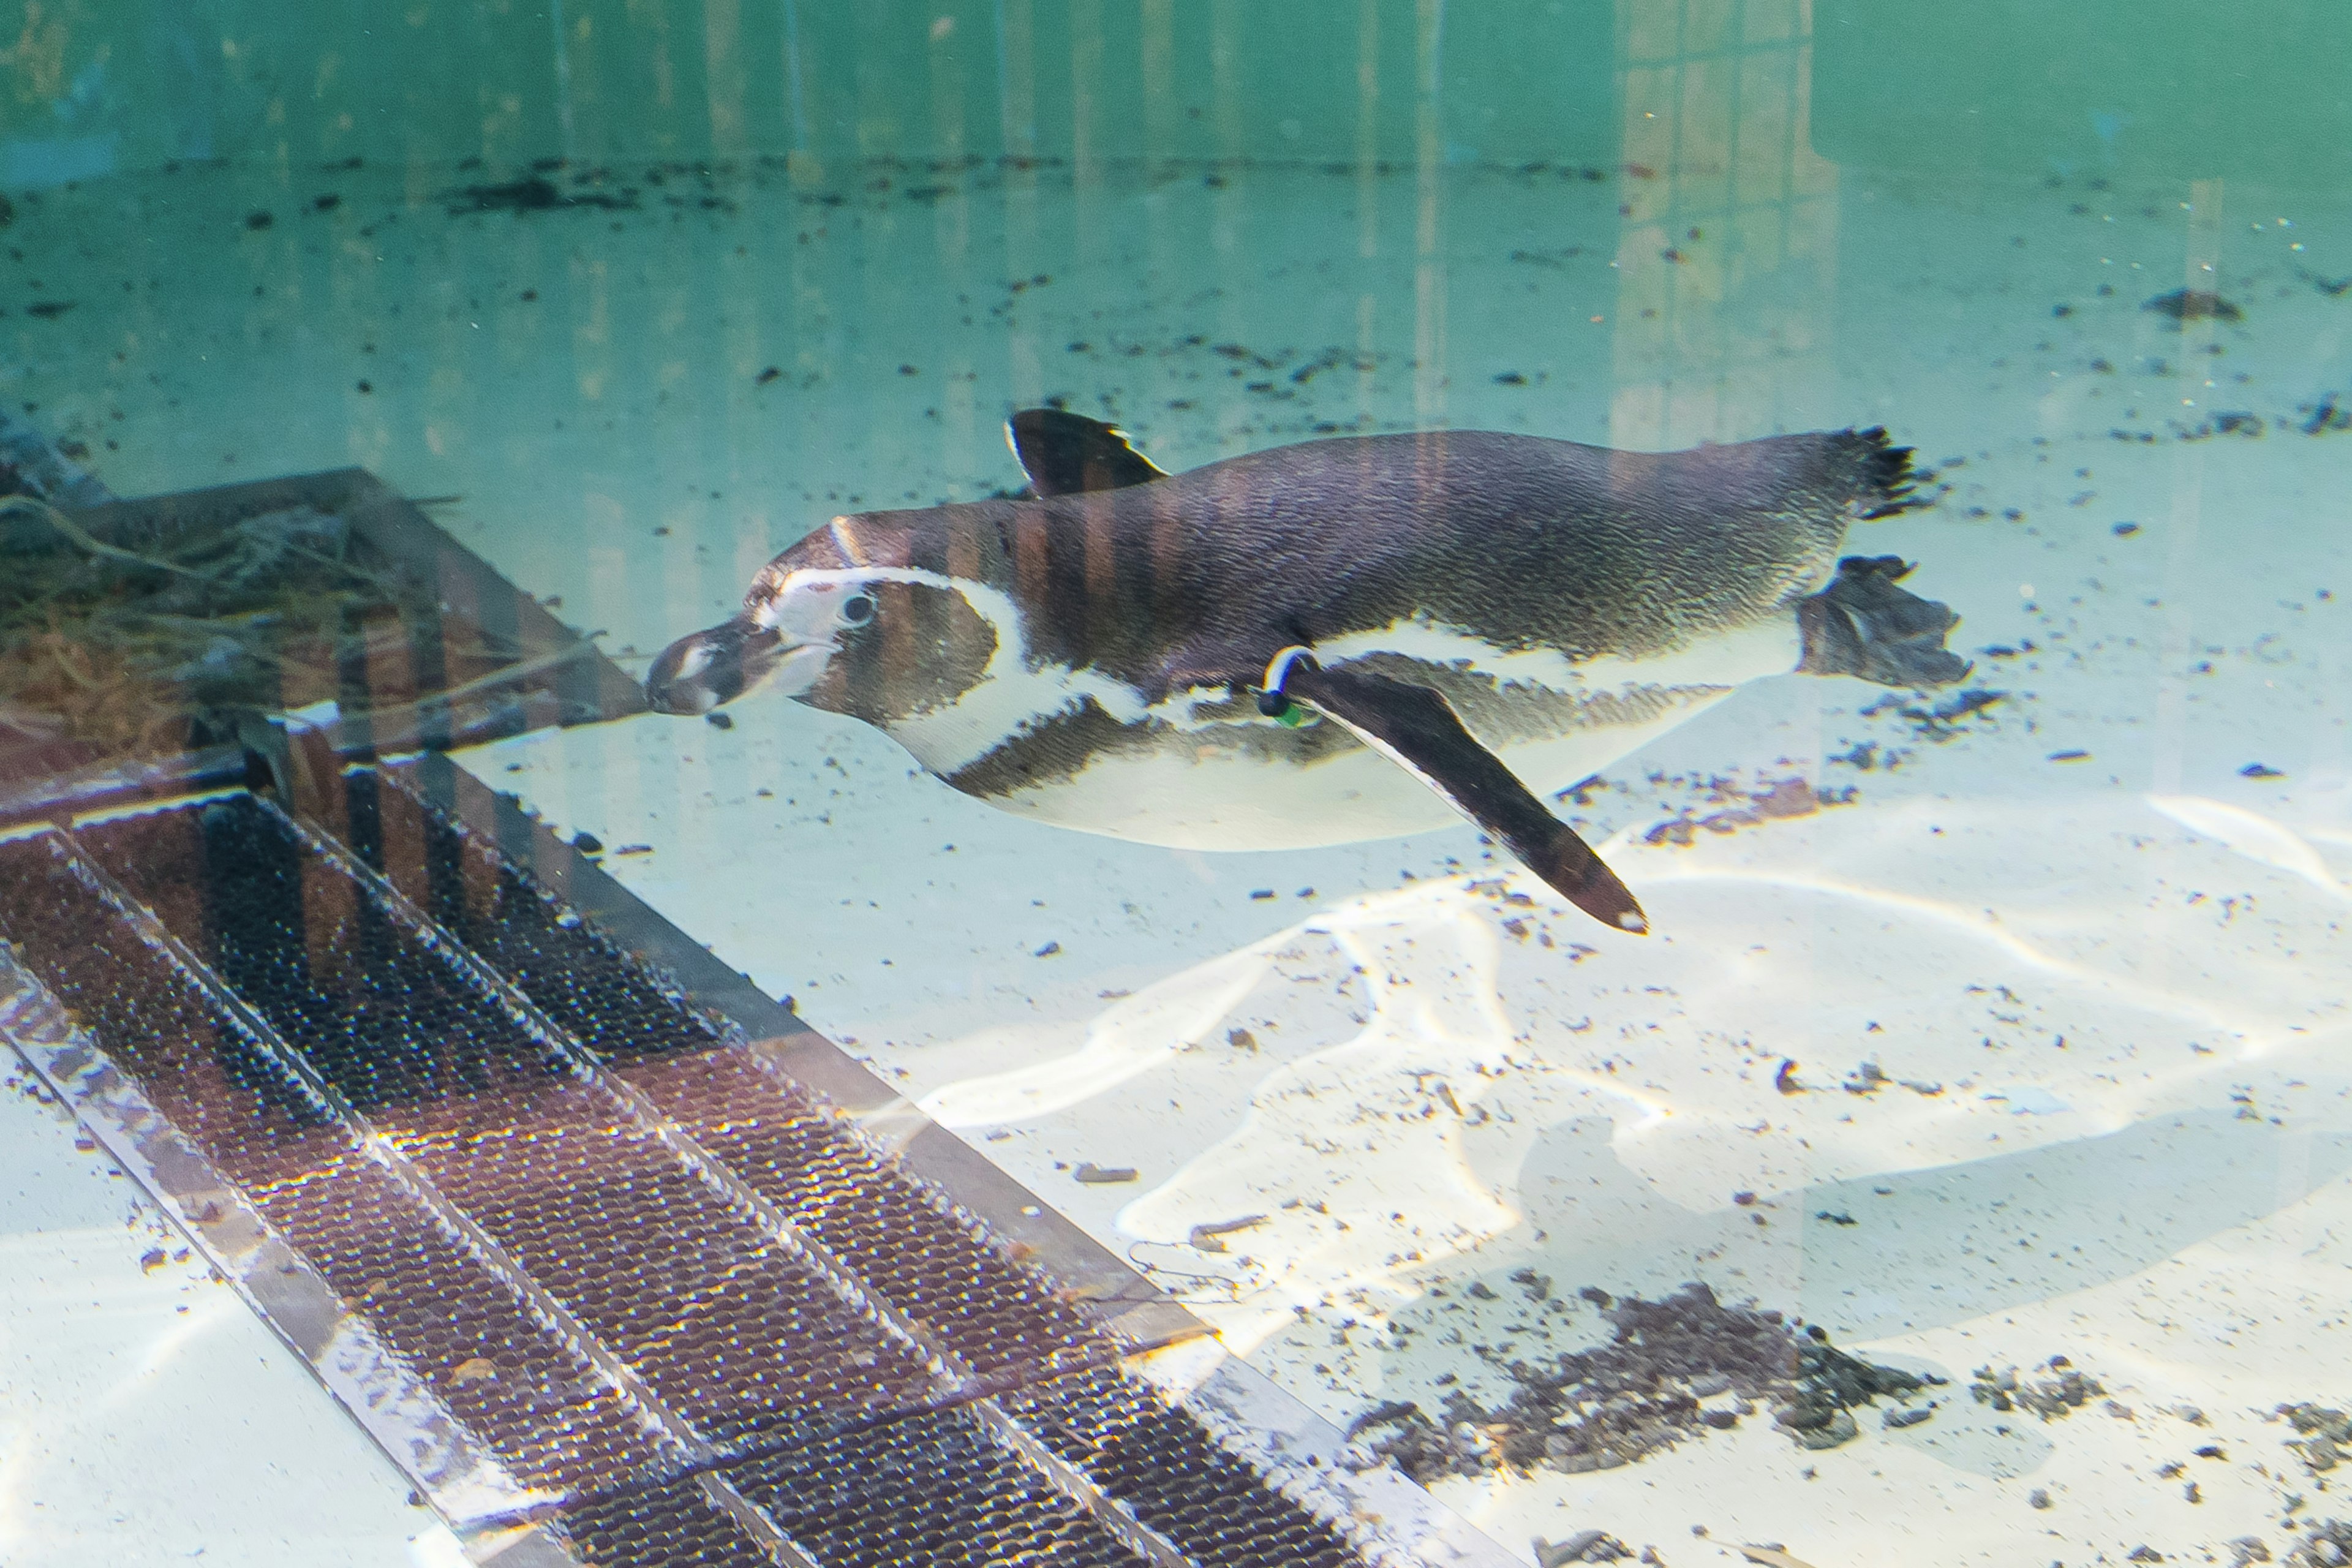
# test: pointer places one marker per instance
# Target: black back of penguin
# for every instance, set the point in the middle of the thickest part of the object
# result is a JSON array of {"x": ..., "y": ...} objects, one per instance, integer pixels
[{"x": 1521, "y": 540}]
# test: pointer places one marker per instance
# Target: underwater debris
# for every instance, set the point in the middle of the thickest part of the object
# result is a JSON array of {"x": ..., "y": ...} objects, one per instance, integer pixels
[
  {"x": 2326, "y": 416},
  {"x": 2329, "y": 1546},
  {"x": 1674, "y": 1368},
  {"x": 2326, "y": 1434},
  {"x": 1944, "y": 720},
  {"x": 1866, "y": 756},
  {"x": 1584, "y": 1546},
  {"x": 1205, "y": 1237},
  {"x": 1867, "y": 1078},
  {"x": 2064, "y": 1390},
  {"x": 1780, "y": 798},
  {"x": 2185, "y": 305},
  {"x": 1770, "y": 1557},
  {"x": 532, "y": 192}
]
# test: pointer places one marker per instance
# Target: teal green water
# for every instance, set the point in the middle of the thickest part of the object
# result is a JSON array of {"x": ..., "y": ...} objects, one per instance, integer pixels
[
  {"x": 2006, "y": 1035},
  {"x": 1997, "y": 91}
]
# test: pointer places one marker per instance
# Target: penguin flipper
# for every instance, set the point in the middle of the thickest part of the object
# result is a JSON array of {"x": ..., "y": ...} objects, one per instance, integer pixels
[
  {"x": 1414, "y": 727},
  {"x": 1065, "y": 453}
]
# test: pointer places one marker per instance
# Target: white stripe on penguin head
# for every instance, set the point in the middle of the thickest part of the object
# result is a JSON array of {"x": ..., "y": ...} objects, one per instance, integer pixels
[{"x": 1009, "y": 697}]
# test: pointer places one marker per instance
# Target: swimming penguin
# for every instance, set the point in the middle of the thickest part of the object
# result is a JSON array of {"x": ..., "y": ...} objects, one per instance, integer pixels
[{"x": 1333, "y": 641}]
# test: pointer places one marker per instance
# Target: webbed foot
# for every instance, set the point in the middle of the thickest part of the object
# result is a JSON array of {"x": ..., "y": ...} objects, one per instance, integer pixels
[{"x": 1863, "y": 625}]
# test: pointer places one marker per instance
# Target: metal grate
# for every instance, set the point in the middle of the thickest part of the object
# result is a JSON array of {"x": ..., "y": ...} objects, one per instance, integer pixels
[
  {"x": 614, "y": 1268},
  {"x": 436, "y": 1302},
  {"x": 720, "y": 1319},
  {"x": 1161, "y": 1463},
  {"x": 677, "y": 1525},
  {"x": 970, "y": 1302},
  {"x": 935, "y": 1488}
]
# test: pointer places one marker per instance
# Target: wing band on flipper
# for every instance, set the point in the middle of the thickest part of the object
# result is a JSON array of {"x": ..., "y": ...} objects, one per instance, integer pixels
[
  {"x": 1065, "y": 453},
  {"x": 1413, "y": 726}
]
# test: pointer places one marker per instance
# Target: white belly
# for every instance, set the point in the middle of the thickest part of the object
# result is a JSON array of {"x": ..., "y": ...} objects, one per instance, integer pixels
[
  {"x": 1205, "y": 786},
  {"x": 1220, "y": 799}
]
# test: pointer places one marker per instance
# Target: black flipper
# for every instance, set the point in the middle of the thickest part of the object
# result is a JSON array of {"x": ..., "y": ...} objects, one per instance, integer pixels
[
  {"x": 1863, "y": 625},
  {"x": 1412, "y": 726},
  {"x": 1064, "y": 453}
]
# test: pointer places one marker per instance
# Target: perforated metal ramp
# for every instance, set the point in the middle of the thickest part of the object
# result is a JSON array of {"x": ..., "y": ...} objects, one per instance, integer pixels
[{"x": 617, "y": 1261}]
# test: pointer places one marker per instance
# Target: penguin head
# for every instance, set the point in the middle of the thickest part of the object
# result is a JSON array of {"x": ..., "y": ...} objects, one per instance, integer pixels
[
  {"x": 785, "y": 636},
  {"x": 877, "y": 643}
]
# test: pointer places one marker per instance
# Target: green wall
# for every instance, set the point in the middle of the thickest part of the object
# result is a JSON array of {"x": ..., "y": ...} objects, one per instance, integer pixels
[
  {"x": 100, "y": 84},
  {"x": 2167, "y": 87},
  {"x": 2258, "y": 89}
]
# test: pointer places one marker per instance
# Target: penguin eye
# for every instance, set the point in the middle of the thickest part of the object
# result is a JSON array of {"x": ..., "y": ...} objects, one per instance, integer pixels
[{"x": 856, "y": 610}]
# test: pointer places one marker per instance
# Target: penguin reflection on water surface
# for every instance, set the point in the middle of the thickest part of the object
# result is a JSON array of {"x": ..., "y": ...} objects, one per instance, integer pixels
[{"x": 1334, "y": 641}]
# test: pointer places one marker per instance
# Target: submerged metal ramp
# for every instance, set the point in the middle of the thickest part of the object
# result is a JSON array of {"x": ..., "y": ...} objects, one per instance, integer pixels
[{"x": 619, "y": 1261}]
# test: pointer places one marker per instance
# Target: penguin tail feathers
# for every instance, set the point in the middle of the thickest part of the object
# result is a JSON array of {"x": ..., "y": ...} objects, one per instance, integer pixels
[{"x": 1883, "y": 481}]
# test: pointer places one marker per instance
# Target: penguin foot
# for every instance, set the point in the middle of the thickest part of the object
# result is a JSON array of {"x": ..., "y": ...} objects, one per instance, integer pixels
[{"x": 1863, "y": 625}]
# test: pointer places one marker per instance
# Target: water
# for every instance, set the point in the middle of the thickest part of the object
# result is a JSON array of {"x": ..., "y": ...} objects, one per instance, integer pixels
[{"x": 1997, "y": 1032}]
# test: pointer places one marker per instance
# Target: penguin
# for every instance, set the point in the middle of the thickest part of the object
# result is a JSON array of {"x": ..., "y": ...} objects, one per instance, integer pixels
[{"x": 1332, "y": 641}]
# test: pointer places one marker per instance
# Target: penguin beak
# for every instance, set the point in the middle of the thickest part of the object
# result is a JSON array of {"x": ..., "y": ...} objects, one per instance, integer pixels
[{"x": 699, "y": 672}]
